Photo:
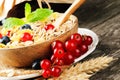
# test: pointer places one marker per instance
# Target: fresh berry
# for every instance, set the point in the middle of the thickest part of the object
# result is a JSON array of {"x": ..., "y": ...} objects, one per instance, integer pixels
[
  {"x": 56, "y": 71},
  {"x": 77, "y": 37},
  {"x": 57, "y": 44},
  {"x": 36, "y": 64},
  {"x": 84, "y": 48},
  {"x": 69, "y": 58},
  {"x": 77, "y": 53},
  {"x": 59, "y": 53},
  {"x": 64, "y": 54},
  {"x": 0, "y": 35},
  {"x": 88, "y": 40},
  {"x": 9, "y": 33},
  {"x": 26, "y": 37},
  {"x": 5, "y": 40},
  {"x": 26, "y": 26},
  {"x": 70, "y": 45},
  {"x": 59, "y": 62},
  {"x": 49, "y": 27},
  {"x": 53, "y": 58},
  {"x": 46, "y": 73},
  {"x": 0, "y": 23},
  {"x": 45, "y": 64}
]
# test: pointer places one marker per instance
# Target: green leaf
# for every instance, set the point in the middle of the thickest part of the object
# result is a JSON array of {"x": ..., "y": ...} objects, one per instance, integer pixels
[
  {"x": 13, "y": 22},
  {"x": 27, "y": 9},
  {"x": 39, "y": 14}
]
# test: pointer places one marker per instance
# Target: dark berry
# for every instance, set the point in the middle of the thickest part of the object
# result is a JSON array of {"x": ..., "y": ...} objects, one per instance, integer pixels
[
  {"x": 0, "y": 23},
  {"x": 36, "y": 64},
  {"x": 26, "y": 26},
  {"x": 5, "y": 40}
]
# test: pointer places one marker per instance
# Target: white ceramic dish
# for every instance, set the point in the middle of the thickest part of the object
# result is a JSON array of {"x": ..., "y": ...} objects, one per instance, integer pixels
[
  {"x": 92, "y": 46},
  {"x": 91, "y": 49},
  {"x": 20, "y": 77}
]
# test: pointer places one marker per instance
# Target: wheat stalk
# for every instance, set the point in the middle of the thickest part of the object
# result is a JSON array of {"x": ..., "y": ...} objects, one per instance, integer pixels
[
  {"x": 92, "y": 65},
  {"x": 82, "y": 71}
]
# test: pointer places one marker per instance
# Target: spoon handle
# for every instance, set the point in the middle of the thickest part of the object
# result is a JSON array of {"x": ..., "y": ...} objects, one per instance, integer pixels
[{"x": 76, "y": 4}]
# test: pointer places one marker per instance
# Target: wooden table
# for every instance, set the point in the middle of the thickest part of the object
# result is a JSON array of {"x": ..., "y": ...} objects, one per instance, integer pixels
[{"x": 103, "y": 17}]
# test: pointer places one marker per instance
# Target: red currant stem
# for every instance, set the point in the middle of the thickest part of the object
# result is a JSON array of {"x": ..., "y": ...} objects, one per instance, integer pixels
[
  {"x": 54, "y": 62},
  {"x": 64, "y": 67},
  {"x": 84, "y": 36}
]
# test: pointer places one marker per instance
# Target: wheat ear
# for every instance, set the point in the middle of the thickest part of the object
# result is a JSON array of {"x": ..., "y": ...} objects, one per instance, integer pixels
[
  {"x": 82, "y": 71},
  {"x": 92, "y": 65}
]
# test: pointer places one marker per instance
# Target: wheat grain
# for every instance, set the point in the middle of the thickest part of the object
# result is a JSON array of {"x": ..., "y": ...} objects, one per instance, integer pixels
[
  {"x": 82, "y": 71},
  {"x": 92, "y": 65}
]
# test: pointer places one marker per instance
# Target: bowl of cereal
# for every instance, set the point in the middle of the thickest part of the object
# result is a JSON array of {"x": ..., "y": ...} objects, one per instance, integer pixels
[{"x": 24, "y": 40}]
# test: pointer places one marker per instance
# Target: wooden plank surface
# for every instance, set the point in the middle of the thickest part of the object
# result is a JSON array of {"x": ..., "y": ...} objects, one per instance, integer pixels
[{"x": 103, "y": 17}]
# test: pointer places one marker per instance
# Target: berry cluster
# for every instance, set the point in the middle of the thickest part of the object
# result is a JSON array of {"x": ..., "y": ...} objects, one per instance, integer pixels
[
  {"x": 65, "y": 54},
  {"x": 26, "y": 36}
]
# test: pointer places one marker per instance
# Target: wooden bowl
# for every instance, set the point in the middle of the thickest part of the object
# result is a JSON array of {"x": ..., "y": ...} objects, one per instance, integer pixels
[{"x": 24, "y": 56}]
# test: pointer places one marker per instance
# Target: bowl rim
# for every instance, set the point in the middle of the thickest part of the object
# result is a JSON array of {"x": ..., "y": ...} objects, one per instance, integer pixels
[{"x": 32, "y": 45}]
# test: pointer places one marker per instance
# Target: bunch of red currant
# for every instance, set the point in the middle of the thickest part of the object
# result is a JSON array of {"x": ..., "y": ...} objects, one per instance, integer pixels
[{"x": 65, "y": 54}]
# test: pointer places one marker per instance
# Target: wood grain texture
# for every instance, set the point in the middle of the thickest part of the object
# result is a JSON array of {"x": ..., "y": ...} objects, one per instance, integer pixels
[{"x": 103, "y": 17}]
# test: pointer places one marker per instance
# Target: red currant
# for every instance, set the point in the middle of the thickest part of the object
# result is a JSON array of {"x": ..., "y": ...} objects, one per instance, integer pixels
[
  {"x": 57, "y": 44},
  {"x": 70, "y": 45},
  {"x": 77, "y": 53},
  {"x": 26, "y": 37},
  {"x": 84, "y": 48},
  {"x": 59, "y": 53},
  {"x": 45, "y": 64},
  {"x": 49, "y": 27},
  {"x": 9, "y": 33},
  {"x": 46, "y": 73},
  {"x": 56, "y": 71},
  {"x": 88, "y": 40},
  {"x": 53, "y": 58},
  {"x": 59, "y": 62},
  {"x": 77, "y": 37},
  {"x": 0, "y": 35},
  {"x": 69, "y": 58}
]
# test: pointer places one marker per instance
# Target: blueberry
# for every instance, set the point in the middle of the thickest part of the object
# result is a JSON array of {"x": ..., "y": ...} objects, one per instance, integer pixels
[
  {"x": 1, "y": 22},
  {"x": 36, "y": 64},
  {"x": 5, "y": 40},
  {"x": 26, "y": 26}
]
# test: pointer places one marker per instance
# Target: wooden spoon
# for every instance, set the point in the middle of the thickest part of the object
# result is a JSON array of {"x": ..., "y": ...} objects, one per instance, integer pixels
[{"x": 76, "y": 4}]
